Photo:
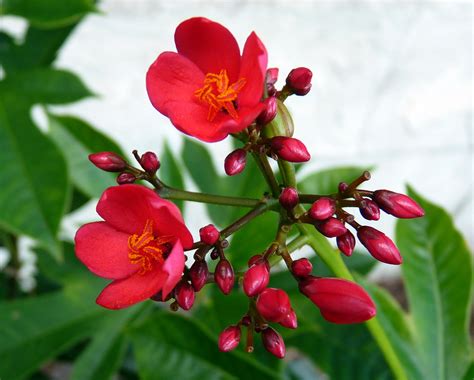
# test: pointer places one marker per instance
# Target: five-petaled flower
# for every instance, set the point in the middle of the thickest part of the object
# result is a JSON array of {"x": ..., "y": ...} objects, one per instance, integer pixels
[
  {"x": 139, "y": 245},
  {"x": 207, "y": 89}
]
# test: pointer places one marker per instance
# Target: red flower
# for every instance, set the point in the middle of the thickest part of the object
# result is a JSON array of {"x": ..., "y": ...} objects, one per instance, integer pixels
[
  {"x": 139, "y": 246},
  {"x": 207, "y": 89}
]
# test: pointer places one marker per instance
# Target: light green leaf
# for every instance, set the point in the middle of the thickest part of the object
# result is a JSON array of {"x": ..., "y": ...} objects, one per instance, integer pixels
[
  {"x": 34, "y": 179},
  {"x": 437, "y": 272}
]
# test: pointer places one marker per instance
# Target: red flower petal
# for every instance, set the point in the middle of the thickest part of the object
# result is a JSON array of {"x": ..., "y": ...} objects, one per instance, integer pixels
[
  {"x": 173, "y": 267},
  {"x": 131, "y": 290},
  {"x": 209, "y": 45},
  {"x": 128, "y": 207},
  {"x": 253, "y": 68},
  {"x": 104, "y": 250},
  {"x": 173, "y": 79}
]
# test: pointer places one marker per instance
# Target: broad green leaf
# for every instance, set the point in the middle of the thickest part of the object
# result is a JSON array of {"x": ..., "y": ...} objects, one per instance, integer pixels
[
  {"x": 170, "y": 346},
  {"x": 326, "y": 181},
  {"x": 437, "y": 272},
  {"x": 46, "y": 86},
  {"x": 50, "y": 13},
  {"x": 77, "y": 140},
  {"x": 34, "y": 179},
  {"x": 32, "y": 331},
  {"x": 171, "y": 171}
]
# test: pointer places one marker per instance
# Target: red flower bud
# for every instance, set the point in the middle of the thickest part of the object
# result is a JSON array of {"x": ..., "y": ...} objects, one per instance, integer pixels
[
  {"x": 301, "y": 267},
  {"x": 273, "y": 343},
  {"x": 370, "y": 210},
  {"x": 229, "y": 338},
  {"x": 108, "y": 161},
  {"x": 398, "y": 205},
  {"x": 289, "y": 198},
  {"x": 149, "y": 162},
  {"x": 299, "y": 80},
  {"x": 331, "y": 227},
  {"x": 246, "y": 320},
  {"x": 124, "y": 178},
  {"x": 339, "y": 301},
  {"x": 271, "y": 75},
  {"x": 256, "y": 279},
  {"x": 342, "y": 187},
  {"x": 290, "y": 321},
  {"x": 198, "y": 274},
  {"x": 235, "y": 162},
  {"x": 209, "y": 234},
  {"x": 224, "y": 276},
  {"x": 322, "y": 209},
  {"x": 270, "y": 111},
  {"x": 379, "y": 245},
  {"x": 254, "y": 259},
  {"x": 346, "y": 243},
  {"x": 273, "y": 304},
  {"x": 184, "y": 295},
  {"x": 289, "y": 149}
]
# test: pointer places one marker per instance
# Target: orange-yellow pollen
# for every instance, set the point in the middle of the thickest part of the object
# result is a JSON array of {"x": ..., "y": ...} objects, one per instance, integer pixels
[
  {"x": 146, "y": 250},
  {"x": 219, "y": 94}
]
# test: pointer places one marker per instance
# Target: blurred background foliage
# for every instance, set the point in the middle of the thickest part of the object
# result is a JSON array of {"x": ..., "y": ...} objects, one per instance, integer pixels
[{"x": 56, "y": 331}]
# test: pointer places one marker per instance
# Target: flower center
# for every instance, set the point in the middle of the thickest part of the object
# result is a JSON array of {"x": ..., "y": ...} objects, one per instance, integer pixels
[
  {"x": 146, "y": 250},
  {"x": 217, "y": 92}
]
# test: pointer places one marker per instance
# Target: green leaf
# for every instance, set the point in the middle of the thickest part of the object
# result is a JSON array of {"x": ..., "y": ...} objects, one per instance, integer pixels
[
  {"x": 34, "y": 179},
  {"x": 326, "y": 181},
  {"x": 50, "y": 13},
  {"x": 171, "y": 172},
  {"x": 170, "y": 346},
  {"x": 46, "y": 86},
  {"x": 77, "y": 140},
  {"x": 437, "y": 272}
]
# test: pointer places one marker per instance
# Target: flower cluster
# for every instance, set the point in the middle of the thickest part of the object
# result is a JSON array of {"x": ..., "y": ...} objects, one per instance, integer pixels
[{"x": 209, "y": 90}]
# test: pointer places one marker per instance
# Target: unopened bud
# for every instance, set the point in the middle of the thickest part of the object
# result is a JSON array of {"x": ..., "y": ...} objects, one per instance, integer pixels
[
  {"x": 331, "y": 227},
  {"x": 124, "y": 178},
  {"x": 290, "y": 321},
  {"x": 229, "y": 338},
  {"x": 270, "y": 79},
  {"x": 273, "y": 304},
  {"x": 342, "y": 187},
  {"x": 108, "y": 161},
  {"x": 149, "y": 162},
  {"x": 235, "y": 162},
  {"x": 289, "y": 149},
  {"x": 246, "y": 320},
  {"x": 209, "y": 234},
  {"x": 370, "y": 210},
  {"x": 214, "y": 254},
  {"x": 289, "y": 198},
  {"x": 339, "y": 301},
  {"x": 379, "y": 245},
  {"x": 254, "y": 260},
  {"x": 346, "y": 243},
  {"x": 256, "y": 279},
  {"x": 224, "y": 276},
  {"x": 301, "y": 267},
  {"x": 184, "y": 295},
  {"x": 273, "y": 342},
  {"x": 398, "y": 205},
  {"x": 322, "y": 209},
  {"x": 198, "y": 274},
  {"x": 299, "y": 80},
  {"x": 269, "y": 112}
]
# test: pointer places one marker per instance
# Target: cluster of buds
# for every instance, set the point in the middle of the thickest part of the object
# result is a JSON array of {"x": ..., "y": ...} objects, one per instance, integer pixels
[{"x": 112, "y": 162}]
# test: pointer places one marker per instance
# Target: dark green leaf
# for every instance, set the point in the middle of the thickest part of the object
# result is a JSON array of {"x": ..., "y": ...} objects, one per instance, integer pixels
[
  {"x": 437, "y": 272},
  {"x": 171, "y": 171},
  {"x": 34, "y": 177}
]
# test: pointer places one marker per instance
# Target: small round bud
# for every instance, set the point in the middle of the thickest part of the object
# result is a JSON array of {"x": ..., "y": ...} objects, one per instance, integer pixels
[
  {"x": 301, "y": 267},
  {"x": 273, "y": 304},
  {"x": 198, "y": 274},
  {"x": 229, "y": 338},
  {"x": 346, "y": 243},
  {"x": 398, "y": 205},
  {"x": 379, "y": 245},
  {"x": 149, "y": 162},
  {"x": 289, "y": 198},
  {"x": 124, "y": 178},
  {"x": 289, "y": 149},
  {"x": 214, "y": 254},
  {"x": 299, "y": 80},
  {"x": 108, "y": 161},
  {"x": 342, "y": 187},
  {"x": 369, "y": 210},
  {"x": 290, "y": 321},
  {"x": 322, "y": 209},
  {"x": 184, "y": 295},
  {"x": 209, "y": 234},
  {"x": 224, "y": 276},
  {"x": 269, "y": 112},
  {"x": 235, "y": 162},
  {"x": 254, "y": 259},
  {"x": 331, "y": 227},
  {"x": 273, "y": 342},
  {"x": 246, "y": 320},
  {"x": 256, "y": 279}
]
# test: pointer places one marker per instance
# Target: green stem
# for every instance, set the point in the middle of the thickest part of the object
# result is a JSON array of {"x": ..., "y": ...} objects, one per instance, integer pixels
[
  {"x": 176, "y": 194},
  {"x": 264, "y": 166}
]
